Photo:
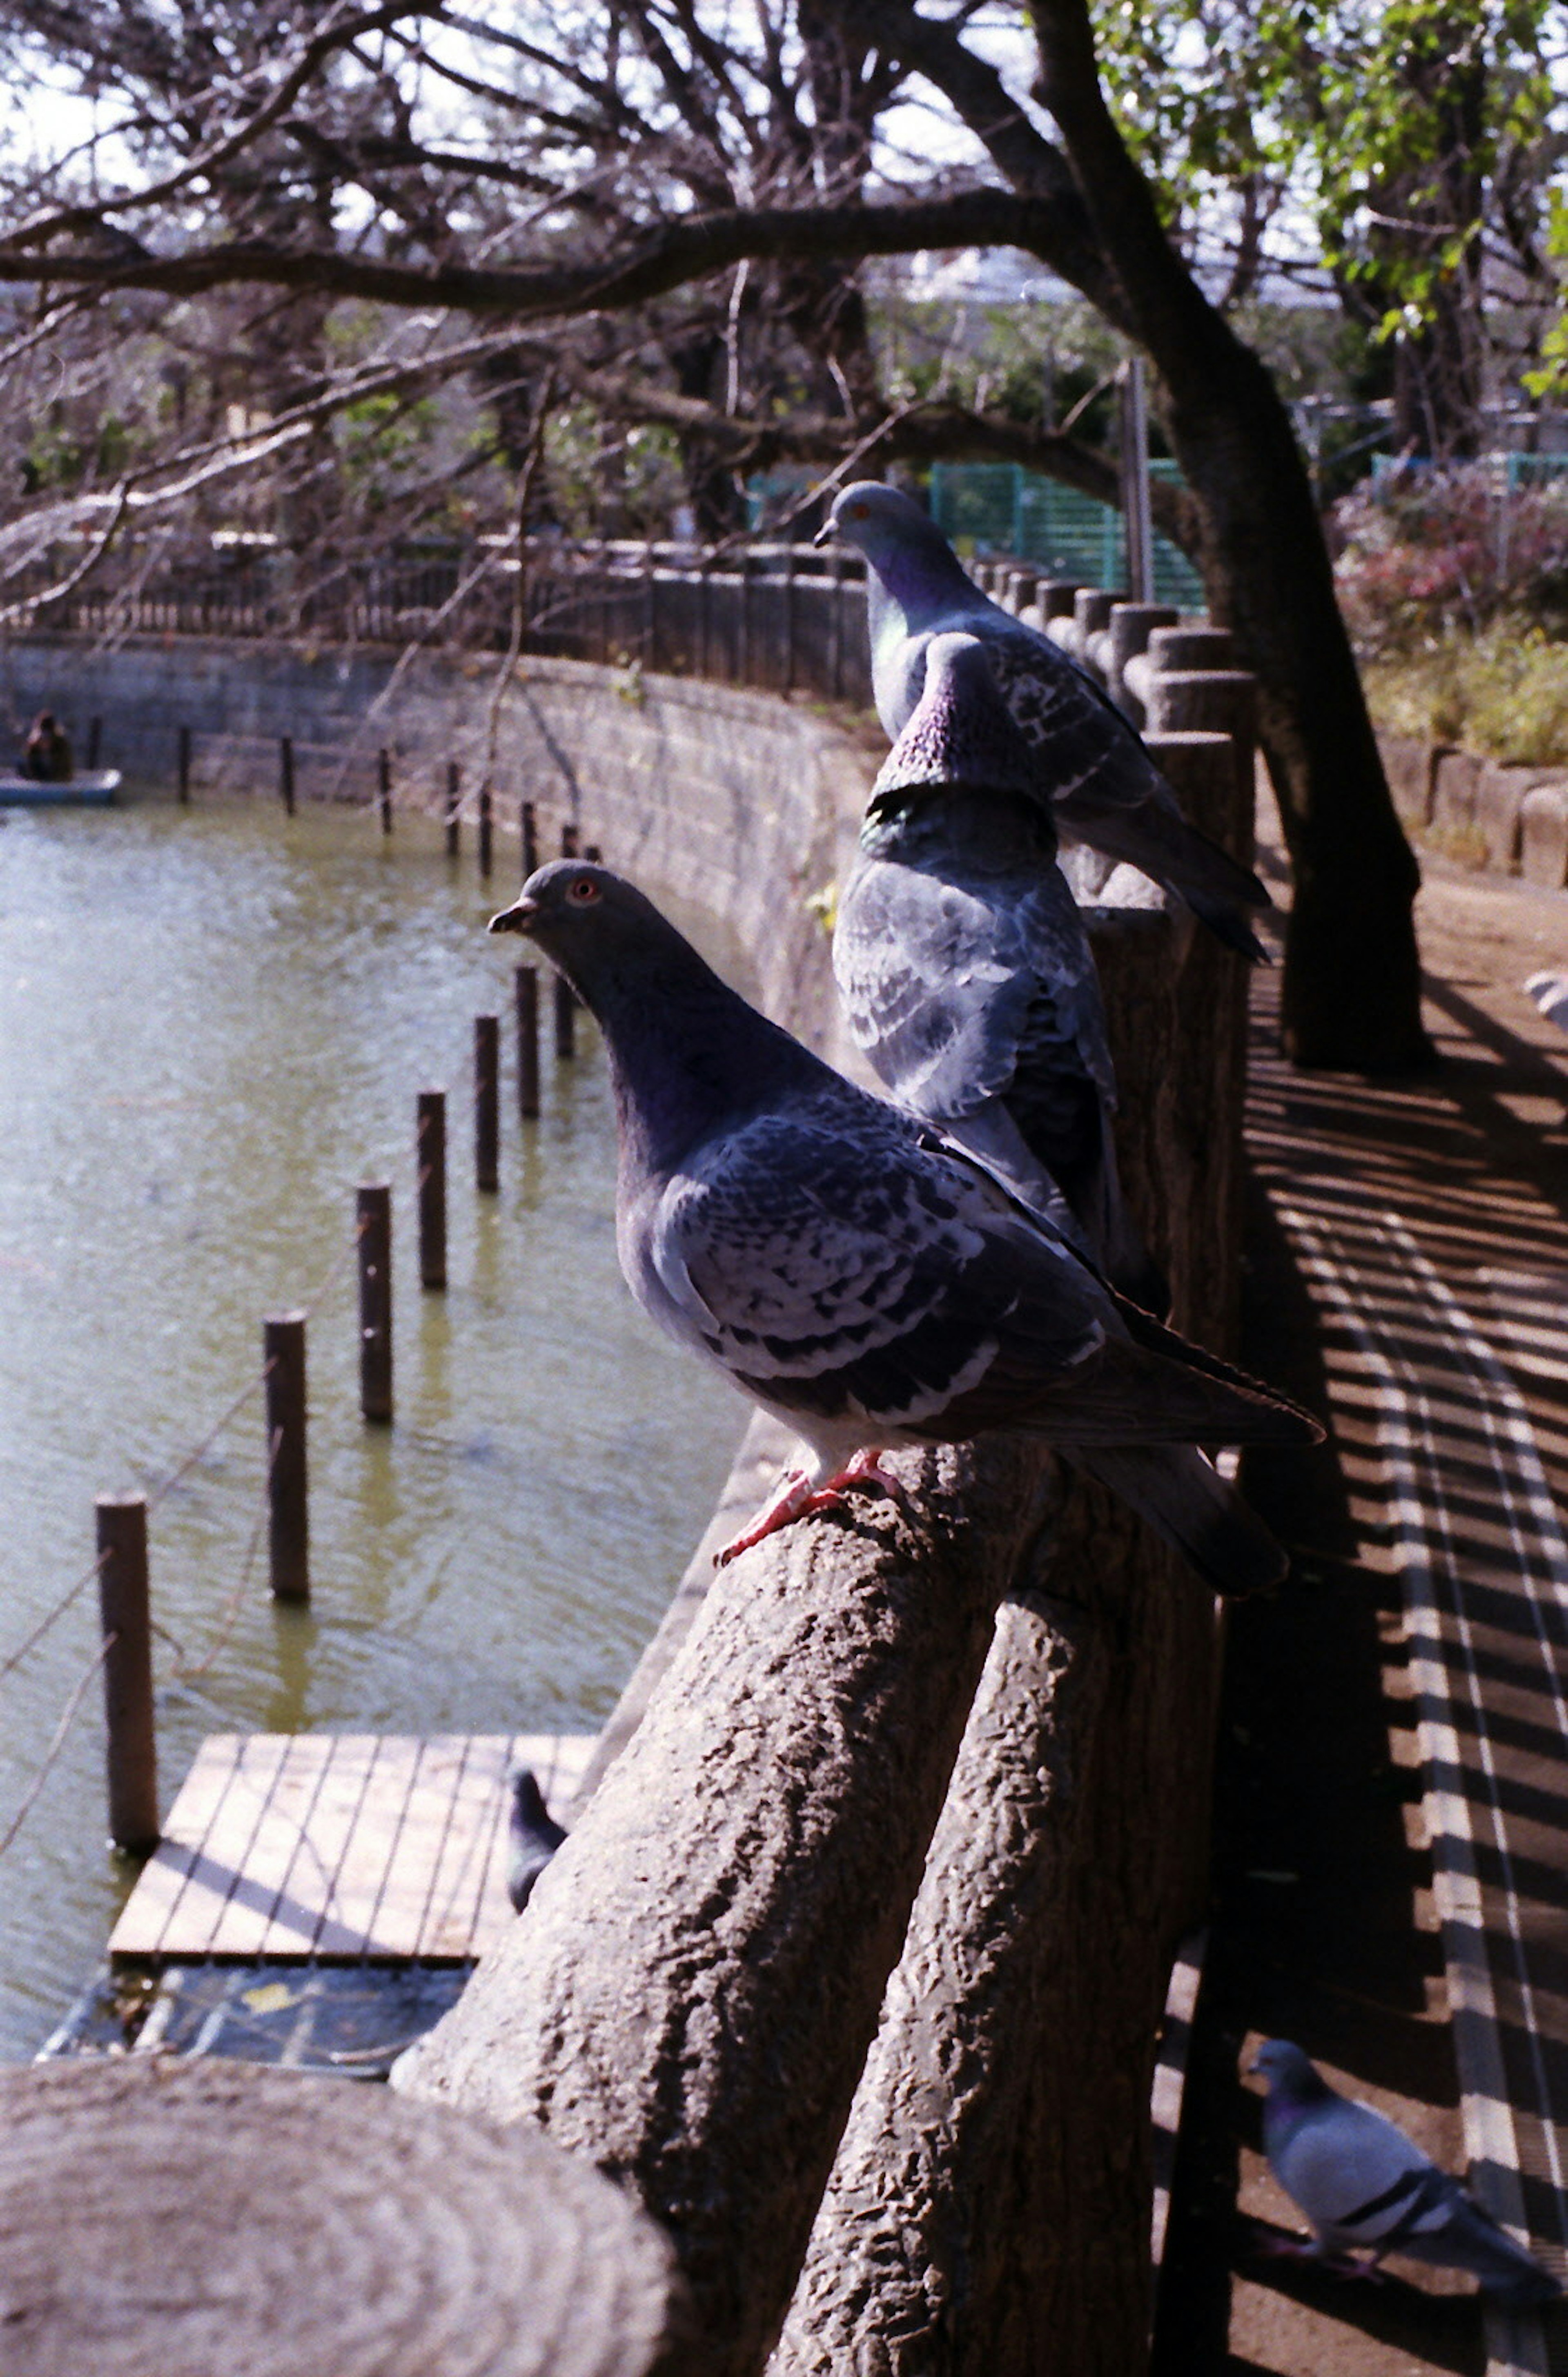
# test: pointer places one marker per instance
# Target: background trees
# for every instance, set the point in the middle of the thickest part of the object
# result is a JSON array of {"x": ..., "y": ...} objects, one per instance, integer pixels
[{"x": 337, "y": 275}]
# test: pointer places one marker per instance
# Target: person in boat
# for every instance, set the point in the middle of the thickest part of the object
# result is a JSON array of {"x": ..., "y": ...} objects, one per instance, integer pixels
[{"x": 46, "y": 755}]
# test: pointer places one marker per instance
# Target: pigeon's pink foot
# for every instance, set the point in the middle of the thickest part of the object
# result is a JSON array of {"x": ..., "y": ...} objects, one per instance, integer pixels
[{"x": 795, "y": 1496}]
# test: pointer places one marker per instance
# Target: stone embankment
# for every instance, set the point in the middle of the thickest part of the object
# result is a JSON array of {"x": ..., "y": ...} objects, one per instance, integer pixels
[{"x": 1507, "y": 816}]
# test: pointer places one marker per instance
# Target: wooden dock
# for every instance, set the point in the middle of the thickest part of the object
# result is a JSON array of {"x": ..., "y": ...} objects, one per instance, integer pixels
[{"x": 339, "y": 1848}]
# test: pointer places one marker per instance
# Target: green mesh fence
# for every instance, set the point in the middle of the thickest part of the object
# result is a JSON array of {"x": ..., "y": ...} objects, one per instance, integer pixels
[{"x": 996, "y": 508}]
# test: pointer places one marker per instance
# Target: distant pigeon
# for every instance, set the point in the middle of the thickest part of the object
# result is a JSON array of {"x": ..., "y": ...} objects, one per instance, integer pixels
[
  {"x": 965, "y": 971},
  {"x": 1365, "y": 2186},
  {"x": 532, "y": 1835},
  {"x": 1102, "y": 785},
  {"x": 1549, "y": 992},
  {"x": 863, "y": 1279}
]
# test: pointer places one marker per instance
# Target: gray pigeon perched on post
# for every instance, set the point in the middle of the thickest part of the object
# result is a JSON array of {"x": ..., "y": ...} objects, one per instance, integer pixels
[
  {"x": 1092, "y": 765},
  {"x": 1366, "y": 2187},
  {"x": 532, "y": 1835},
  {"x": 965, "y": 971},
  {"x": 862, "y": 1279}
]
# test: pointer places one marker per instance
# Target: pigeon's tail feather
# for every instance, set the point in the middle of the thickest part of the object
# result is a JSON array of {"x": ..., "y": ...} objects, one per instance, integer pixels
[
  {"x": 1226, "y": 922},
  {"x": 1468, "y": 2239},
  {"x": 1188, "y": 1503}
]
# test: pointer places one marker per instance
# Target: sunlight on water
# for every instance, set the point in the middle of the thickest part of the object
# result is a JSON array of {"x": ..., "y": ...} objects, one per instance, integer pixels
[{"x": 212, "y": 1026}]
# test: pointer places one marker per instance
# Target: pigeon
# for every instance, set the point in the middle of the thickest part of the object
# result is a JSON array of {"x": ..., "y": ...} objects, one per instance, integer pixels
[
  {"x": 1362, "y": 2182},
  {"x": 965, "y": 972},
  {"x": 1549, "y": 992},
  {"x": 866, "y": 1281},
  {"x": 1091, "y": 765},
  {"x": 532, "y": 1835}
]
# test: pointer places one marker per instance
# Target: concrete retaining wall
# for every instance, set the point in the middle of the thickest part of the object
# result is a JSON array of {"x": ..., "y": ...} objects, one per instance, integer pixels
[{"x": 736, "y": 800}]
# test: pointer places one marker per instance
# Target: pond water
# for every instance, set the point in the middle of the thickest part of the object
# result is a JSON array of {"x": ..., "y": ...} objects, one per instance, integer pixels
[{"x": 213, "y": 1024}]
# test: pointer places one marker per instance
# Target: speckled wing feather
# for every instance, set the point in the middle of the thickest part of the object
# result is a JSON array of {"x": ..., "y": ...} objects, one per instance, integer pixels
[{"x": 842, "y": 1266}]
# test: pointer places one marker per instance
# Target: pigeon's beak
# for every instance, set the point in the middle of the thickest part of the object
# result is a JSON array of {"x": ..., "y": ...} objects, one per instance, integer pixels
[
  {"x": 517, "y": 918},
  {"x": 826, "y": 534}
]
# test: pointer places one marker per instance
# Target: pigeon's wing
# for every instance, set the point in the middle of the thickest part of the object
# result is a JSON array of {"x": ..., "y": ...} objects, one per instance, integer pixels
[
  {"x": 1356, "y": 2177},
  {"x": 1106, "y": 789},
  {"x": 947, "y": 983},
  {"x": 840, "y": 1269},
  {"x": 1549, "y": 992}
]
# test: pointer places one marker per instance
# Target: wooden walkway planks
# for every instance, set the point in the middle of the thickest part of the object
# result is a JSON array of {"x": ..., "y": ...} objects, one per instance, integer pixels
[{"x": 340, "y": 1847}]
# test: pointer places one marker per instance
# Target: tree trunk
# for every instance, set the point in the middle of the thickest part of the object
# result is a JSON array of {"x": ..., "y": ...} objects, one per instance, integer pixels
[
  {"x": 1352, "y": 981},
  {"x": 1351, "y": 995}
]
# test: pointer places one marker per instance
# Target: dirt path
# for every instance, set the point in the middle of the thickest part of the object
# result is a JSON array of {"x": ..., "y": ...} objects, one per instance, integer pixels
[{"x": 1408, "y": 1276}]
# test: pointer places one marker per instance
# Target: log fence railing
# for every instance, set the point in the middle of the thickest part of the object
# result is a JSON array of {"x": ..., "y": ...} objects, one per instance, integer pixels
[{"x": 851, "y": 1967}]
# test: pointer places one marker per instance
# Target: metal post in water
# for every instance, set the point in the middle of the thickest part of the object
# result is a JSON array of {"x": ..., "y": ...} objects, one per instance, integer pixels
[
  {"x": 124, "y": 1609},
  {"x": 383, "y": 771},
  {"x": 286, "y": 771},
  {"x": 486, "y": 829},
  {"x": 184, "y": 764},
  {"x": 528, "y": 1041},
  {"x": 375, "y": 1220},
  {"x": 568, "y": 840},
  {"x": 488, "y": 1102},
  {"x": 529, "y": 824},
  {"x": 287, "y": 1483},
  {"x": 454, "y": 796},
  {"x": 430, "y": 1143}
]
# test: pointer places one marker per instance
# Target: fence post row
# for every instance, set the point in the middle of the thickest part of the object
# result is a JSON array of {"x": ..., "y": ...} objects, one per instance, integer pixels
[
  {"x": 282, "y": 1346},
  {"x": 430, "y": 1149},
  {"x": 126, "y": 1615},
  {"x": 375, "y": 1223}
]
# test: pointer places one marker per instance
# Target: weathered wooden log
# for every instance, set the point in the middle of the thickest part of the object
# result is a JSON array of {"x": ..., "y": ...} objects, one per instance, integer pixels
[
  {"x": 692, "y": 1991},
  {"x": 1131, "y": 624},
  {"x": 989, "y": 2209},
  {"x": 186, "y": 2217},
  {"x": 1215, "y": 702}
]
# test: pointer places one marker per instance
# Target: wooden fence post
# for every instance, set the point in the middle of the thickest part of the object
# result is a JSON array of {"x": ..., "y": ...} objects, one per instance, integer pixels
[
  {"x": 375, "y": 1220},
  {"x": 287, "y": 1480},
  {"x": 124, "y": 1610},
  {"x": 487, "y": 1101},
  {"x": 430, "y": 1148},
  {"x": 527, "y": 981}
]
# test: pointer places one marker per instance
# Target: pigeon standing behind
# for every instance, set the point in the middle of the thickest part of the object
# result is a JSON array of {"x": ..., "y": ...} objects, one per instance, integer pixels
[
  {"x": 1091, "y": 765},
  {"x": 865, "y": 1280},
  {"x": 532, "y": 1835},
  {"x": 965, "y": 971},
  {"x": 1363, "y": 2184}
]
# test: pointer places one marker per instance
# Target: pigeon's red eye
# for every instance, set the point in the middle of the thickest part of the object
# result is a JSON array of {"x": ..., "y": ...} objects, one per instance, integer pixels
[
  {"x": 859, "y": 511},
  {"x": 584, "y": 890}
]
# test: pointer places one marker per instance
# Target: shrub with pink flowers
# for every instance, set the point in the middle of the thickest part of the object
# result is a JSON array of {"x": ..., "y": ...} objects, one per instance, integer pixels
[{"x": 1432, "y": 553}]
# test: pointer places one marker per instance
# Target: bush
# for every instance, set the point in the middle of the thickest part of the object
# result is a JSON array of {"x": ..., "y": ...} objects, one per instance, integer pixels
[
  {"x": 1503, "y": 692},
  {"x": 1426, "y": 553}
]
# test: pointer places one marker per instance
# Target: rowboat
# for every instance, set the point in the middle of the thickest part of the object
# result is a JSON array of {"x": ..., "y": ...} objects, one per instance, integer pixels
[{"x": 93, "y": 789}]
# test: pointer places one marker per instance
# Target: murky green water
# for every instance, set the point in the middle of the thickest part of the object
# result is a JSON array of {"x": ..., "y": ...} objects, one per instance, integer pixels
[{"x": 213, "y": 1024}]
